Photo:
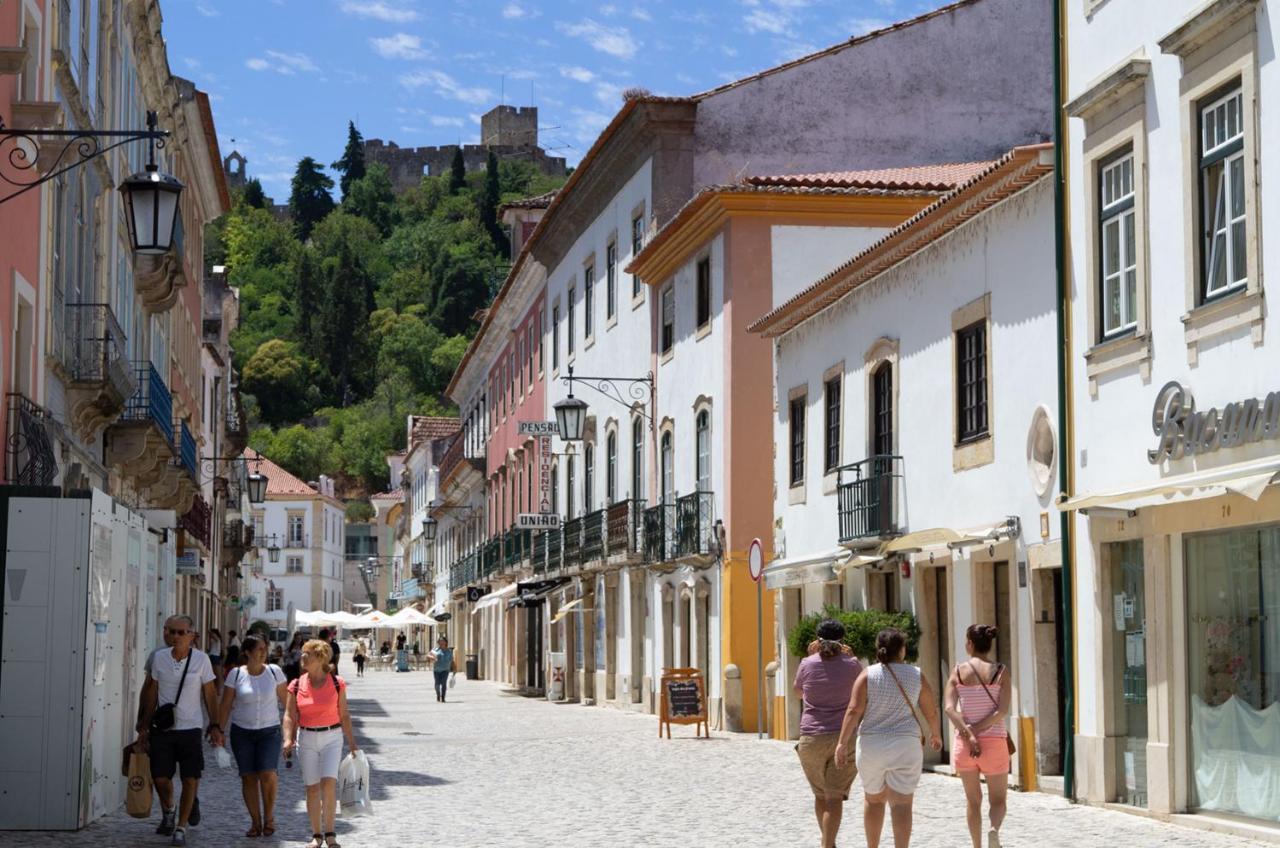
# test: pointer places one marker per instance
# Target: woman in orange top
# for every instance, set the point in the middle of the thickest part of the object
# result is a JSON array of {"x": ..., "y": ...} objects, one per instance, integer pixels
[{"x": 316, "y": 711}]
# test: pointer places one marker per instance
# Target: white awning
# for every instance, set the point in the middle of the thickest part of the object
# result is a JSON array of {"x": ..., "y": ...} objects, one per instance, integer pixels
[
  {"x": 566, "y": 609},
  {"x": 798, "y": 571},
  {"x": 437, "y": 610},
  {"x": 1242, "y": 478},
  {"x": 494, "y": 598}
]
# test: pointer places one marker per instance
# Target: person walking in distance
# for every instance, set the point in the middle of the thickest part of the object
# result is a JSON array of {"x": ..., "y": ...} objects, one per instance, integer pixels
[
  {"x": 884, "y": 712},
  {"x": 180, "y": 676},
  {"x": 315, "y": 713},
  {"x": 331, "y": 636},
  {"x": 824, "y": 682},
  {"x": 293, "y": 657},
  {"x": 442, "y": 665},
  {"x": 213, "y": 646},
  {"x": 251, "y": 702},
  {"x": 360, "y": 654},
  {"x": 977, "y": 700}
]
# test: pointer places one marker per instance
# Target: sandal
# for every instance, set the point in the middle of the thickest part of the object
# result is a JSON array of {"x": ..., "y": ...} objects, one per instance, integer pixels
[
  {"x": 253, "y": 831},
  {"x": 269, "y": 828},
  {"x": 332, "y": 839},
  {"x": 317, "y": 841}
]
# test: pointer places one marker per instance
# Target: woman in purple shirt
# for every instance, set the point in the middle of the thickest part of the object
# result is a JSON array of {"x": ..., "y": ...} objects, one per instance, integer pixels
[{"x": 825, "y": 681}]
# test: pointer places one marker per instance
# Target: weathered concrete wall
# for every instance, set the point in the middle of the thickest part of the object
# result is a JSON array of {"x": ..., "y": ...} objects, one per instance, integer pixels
[{"x": 966, "y": 85}]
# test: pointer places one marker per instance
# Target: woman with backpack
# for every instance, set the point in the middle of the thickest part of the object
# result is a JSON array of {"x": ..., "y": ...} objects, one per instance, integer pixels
[
  {"x": 977, "y": 700},
  {"x": 251, "y": 701},
  {"x": 315, "y": 722}
]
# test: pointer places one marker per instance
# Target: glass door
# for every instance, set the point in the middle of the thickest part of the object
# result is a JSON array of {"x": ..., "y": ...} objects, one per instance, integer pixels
[{"x": 1129, "y": 670}]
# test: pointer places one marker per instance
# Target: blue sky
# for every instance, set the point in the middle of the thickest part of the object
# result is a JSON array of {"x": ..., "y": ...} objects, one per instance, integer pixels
[{"x": 286, "y": 75}]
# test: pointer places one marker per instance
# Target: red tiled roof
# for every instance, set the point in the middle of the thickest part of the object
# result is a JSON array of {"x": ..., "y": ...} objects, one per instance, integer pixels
[
  {"x": 427, "y": 427},
  {"x": 279, "y": 481},
  {"x": 387, "y": 496},
  {"x": 942, "y": 177},
  {"x": 541, "y": 201}
]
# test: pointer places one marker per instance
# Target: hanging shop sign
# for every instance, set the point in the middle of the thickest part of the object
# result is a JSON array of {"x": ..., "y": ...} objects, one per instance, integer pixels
[
  {"x": 188, "y": 562},
  {"x": 537, "y": 521},
  {"x": 538, "y": 428},
  {"x": 544, "y": 475},
  {"x": 1181, "y": 430}
]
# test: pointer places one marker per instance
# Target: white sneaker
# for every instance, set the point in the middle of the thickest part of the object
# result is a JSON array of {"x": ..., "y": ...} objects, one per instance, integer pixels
[{"x": 993, "y": 839}]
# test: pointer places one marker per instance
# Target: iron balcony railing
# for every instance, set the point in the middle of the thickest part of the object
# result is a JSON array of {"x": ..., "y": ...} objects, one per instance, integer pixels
[
  {"x": 660, "y": 533},
  {"x": 151, "y": 402},
  {"x": 572, "y": 543},
  {"x": 867, "y": 498},
  {"x": 538, "y": 550},
  {"x": 492, "y": 556},
  {"x": 237, "y": 534},
  {"x": 188, "y": 456},
  {"x": 30, "y": 460},
  {"x": 593, "y": 536},
  {"x": 555, "y": 550},
  {"x": 196, "y": 522},
  {"x": 695, "y": 514},
  {"x": 91, "y": 346},
  {"x": 624, "y": 526}
]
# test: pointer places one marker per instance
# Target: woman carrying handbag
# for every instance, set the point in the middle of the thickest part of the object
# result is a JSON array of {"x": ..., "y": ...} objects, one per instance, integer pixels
[{"x": 977, "y": 701}]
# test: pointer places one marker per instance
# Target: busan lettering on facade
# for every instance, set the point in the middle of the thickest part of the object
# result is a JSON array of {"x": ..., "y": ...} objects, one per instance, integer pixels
[
  {"x": 537, "y": 521},
  {"x": 1182, "y": 431}
]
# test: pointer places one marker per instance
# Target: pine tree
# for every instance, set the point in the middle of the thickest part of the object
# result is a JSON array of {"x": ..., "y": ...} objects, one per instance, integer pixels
[
  {"x": 253, "y": 195},
  {"x": 351, "y": 165},
  {"x": 343, "y": 320},
  {"x": 457, "y": 171},
  {"x": 489, "y": 205},
  {"x": 309, "y": 201},
  {"x": 308, "y": 291}
]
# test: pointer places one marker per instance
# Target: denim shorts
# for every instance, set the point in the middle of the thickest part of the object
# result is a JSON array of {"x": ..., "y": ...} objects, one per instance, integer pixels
[{"x": 256, "y": 750}]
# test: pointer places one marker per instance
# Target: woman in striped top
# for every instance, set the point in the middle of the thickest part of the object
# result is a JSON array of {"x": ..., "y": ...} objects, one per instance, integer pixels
[
  {"x": 884, "y": 711},
  {"x": 977, "y": 700}
]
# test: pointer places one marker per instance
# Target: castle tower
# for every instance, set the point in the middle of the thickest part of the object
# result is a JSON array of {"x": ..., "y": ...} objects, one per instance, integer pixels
[
  {"x": 509, "y": 126},
  {"x": 234, "y": 168}
]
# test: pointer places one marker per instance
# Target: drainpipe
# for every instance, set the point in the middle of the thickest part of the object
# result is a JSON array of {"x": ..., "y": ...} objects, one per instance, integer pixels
[{"x": 1066, "y": 456}]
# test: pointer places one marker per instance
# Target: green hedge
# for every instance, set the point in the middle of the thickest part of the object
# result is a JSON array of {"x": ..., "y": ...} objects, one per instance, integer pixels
[{"x": 861, "y": 627}]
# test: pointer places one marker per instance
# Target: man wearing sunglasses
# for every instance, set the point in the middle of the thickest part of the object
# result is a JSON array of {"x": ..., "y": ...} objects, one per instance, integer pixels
[{"x": 179, "y": 677}]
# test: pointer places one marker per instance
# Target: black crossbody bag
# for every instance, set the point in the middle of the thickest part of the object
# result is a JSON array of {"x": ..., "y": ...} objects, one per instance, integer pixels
[{"x": 163, "y": 718}]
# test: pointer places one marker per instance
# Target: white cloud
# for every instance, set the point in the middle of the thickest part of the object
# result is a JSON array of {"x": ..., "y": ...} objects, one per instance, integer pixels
[
  {"x": 522, "y": 74},
  {"x": 862, "y": 26},
  {"x": 588, "y": 124},
  {"x": 515, "y": 11},
  {"x": 443, "y": 121},
  {"x": 283, "y": 63},
  {"x": 257, "y": 64},
  {"x": 577, "y": 73},
  {"x": 446, "y": 86},
  {"x": 193, "y": 64},
  {"x": 394, "y": 12},
  {"x": 206, "y": 10},
  {"x": 616, "y": 41},
  {"x": 399, "y": 46},
  {"x": 475, "y": 117},
  {"x": 608, "y": 10},
  {"x": 640, "y": 14},
  {"x": 765, "y": 20},
  {"x": 796, "y": 49},
  {"x": 609, "y": 94}
]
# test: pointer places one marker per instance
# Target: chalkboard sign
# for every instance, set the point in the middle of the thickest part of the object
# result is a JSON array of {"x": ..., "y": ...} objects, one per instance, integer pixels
[{"x": 683, "y": 700}]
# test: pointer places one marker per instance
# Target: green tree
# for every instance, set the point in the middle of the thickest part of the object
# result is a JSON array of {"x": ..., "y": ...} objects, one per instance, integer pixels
[
  {"x": 448, "y": 355},
  {"x": 489, "y": 201},
  {"x": 405, "y": 288},
  {"x": 253, "y": 195},
  {"x": 278, "y": 376},
  {"x": 305, "y": 452},
  {"x": 351, "y": 165},
  {"x": 405, "y": 346},
  {"x": 457, "y": 171},
  {"x": 860, "y": 629},
  {"x": 345, "y": 234},
  {"x": 360, "y": 511},
  {"x": 307, "y": 289},
  {"x": 460, "y": 277},
  {"x": 310, "y": 200},
  {"x": 255, "y": 239},
  {"x": 371, "y": 197},
  {"x": 343, "y": 323}
]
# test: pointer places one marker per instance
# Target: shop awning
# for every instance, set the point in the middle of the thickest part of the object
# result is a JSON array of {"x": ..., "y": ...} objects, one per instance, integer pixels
[
  {"x": 566, "y": 609},
  {"x": 437, "y": 610},
  {"x": 494, "y": 598},
  {"x": 801, "y": 570},
  {"x": 859, "y": 561},
  {"x": 1242, "y": 478}
]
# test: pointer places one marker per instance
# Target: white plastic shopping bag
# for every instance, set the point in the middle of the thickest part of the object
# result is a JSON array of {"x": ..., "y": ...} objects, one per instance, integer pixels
[
  {"x": 224, "y": 757},
  {"x": 453, "y": 678},
  {"x": 354, "y": 797}
]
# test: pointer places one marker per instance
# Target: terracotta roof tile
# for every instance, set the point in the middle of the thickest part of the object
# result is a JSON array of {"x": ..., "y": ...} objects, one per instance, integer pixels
[
  {"x": 541, "y": 201},
  {"x": 388, "y": 496},
  {"x": 428, "y": 427},
  {"x": 279, "y": 481},
  {"x": 942, "y": 177}
]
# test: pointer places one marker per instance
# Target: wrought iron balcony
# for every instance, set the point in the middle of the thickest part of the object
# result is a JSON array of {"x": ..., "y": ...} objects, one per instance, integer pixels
[
  {"x": 90, "y": 345},
  {"x": 538, "y": 549},
  {"x": 492, "y": 556},
  {"x": 572, "y": 543},
  {"x": 624, "y": 523},
  {"x": 28, "y": 447},
  {"x": 151, "y": 401},
  {"x": 195, "y": 522},
  {"x": 188, "y": 455},
  {"x": 867, "y": 498},
  {"x": 593, "y": 535},
  {"x": 555, "y": 550},
  {"x": 660, "y": 533},
  {"x": 515, "y": 547},
  {"x": 695, "y": 515}
]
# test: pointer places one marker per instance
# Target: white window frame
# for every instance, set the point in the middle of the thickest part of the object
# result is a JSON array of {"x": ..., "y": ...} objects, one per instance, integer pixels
[
  {"x": 1117, "y": 224},
  {"x": 1222, "y": 162}
]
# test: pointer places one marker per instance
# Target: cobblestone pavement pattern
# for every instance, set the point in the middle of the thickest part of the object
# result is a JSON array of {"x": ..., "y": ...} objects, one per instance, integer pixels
[{"x": 489, "y": 768}]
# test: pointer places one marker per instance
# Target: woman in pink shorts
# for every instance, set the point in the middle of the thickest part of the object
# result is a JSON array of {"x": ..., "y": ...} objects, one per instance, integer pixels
[{"x": 977, "y": 700}]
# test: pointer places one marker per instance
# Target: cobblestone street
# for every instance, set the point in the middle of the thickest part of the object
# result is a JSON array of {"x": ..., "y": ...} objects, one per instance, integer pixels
[{"x": 490, "y": 768}]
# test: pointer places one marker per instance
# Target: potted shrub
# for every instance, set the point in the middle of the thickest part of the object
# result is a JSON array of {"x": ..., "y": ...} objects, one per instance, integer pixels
[{"x": 860, "y": 626}]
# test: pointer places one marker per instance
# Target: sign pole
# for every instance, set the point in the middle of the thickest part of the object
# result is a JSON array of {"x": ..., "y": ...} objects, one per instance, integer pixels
[{"x": 755, "y": 563}]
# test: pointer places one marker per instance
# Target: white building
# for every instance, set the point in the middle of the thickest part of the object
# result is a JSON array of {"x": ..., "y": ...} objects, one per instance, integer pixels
[
  {"x": 1174, "y": 532},
  {"x": 301, "y": 541},
  {"x": 909, "y": 383}
]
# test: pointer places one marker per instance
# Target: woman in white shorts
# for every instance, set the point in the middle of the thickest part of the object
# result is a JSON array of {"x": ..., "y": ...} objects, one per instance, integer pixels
[
  {"x": 315, "y": 722},
  {"x": 890, "y": 754}
]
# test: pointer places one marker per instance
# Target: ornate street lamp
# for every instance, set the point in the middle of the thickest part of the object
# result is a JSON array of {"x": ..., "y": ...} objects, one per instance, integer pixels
[
  {"x": 151, "y": 209},
  {"x": 257, "y": 488},
  {"x": 273, "y": 550},
  {"x": 429, "y": 528},
  {"x": 571, "y": 413}
]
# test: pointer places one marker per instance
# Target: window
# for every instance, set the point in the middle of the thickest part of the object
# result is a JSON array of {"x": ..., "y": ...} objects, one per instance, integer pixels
[
  {"x": 611, "y": 279},
  {"x": 520, "y": 364},
  {"x": 275, "y": 599},
  {"x": 831, "y": 432},
  {"x": 668, "y": 338},
  {"x": 971, "y": 382},
  {"x": 882, "y": 410},
  {"x": 569, "y": 483},
  {"x": 555, "y": 338},
  {"x": 668, "y": 469},
  {"x": 796, "y": 416},
  {"x": 588, "y": 301},
  {"x": 611, "y": 467},
  {"x": 702, "y": 428},
  {"x": 295, "y": 531},
  {"x": 637, "y": 457},
  {"x": 539, "y": 336},
  {"x": 293, "y": 565},
  {"x": 1119, "y": 295},
  {"x": 588, "y": 477},
  {"x": 1222, "y": 175},
  {"x": 555, "y": 490},
  {"x": 704, "y": 293},
  {"x": 570, "y": 333},
  {"x": 637, "y": 244}
]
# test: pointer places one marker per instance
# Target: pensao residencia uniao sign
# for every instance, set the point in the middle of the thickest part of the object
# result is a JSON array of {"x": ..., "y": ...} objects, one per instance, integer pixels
[{"x": 1181, "y": 430}]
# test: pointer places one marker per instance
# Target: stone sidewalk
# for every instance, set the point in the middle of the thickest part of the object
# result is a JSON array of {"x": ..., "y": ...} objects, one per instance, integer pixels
[{"x": 490, "y": 768}]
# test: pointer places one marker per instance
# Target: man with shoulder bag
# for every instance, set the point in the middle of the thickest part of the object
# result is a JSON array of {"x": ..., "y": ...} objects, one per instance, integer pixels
[{"x": 170, "y": 723}]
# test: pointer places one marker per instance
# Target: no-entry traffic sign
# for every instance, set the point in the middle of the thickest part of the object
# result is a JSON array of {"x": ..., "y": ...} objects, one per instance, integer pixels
[{"x": 755, "y": 560}]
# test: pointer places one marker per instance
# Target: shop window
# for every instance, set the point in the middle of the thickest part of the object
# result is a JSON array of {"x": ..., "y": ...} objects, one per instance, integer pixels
[
  {"x": 1222, "y": 208},
  {"x": 1128, "y": 671},
  {"x": 971, "y": 382},
  {"x": 1233, "y": 642},
  {"x": 795, "y": 417},
  {"x": 1118, "y": 236}
]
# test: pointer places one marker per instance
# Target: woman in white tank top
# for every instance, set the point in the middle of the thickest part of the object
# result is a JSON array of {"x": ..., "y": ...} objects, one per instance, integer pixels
[{"x": 887, "y": 700}]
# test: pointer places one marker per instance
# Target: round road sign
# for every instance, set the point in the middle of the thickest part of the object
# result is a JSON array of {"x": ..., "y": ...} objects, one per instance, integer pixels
[{"x": 755, "y": 560}]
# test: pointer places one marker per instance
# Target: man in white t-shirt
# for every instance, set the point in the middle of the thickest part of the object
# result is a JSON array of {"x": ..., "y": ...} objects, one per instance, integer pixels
[{"x": 180, "y": 675}]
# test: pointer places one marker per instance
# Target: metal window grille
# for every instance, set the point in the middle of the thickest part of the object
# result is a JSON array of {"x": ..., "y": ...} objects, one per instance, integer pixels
[
  {"x": 971, "y": 380},
  {"x": 796, "y": 416}
]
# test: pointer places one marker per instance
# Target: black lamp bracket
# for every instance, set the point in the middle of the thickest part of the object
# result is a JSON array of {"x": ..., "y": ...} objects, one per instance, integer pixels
[{"x": 626, "y": 391}]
